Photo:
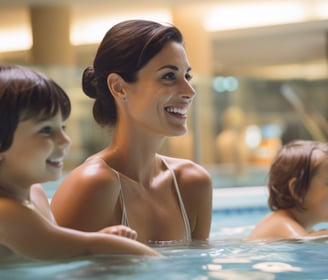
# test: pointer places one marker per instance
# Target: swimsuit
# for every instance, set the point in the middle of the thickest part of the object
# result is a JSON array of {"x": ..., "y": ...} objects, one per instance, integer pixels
[{"x": 124, "y": 220}]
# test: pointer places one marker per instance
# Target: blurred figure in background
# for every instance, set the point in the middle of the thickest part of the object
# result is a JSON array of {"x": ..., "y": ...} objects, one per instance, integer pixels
[{"x": 231, "y": 143}]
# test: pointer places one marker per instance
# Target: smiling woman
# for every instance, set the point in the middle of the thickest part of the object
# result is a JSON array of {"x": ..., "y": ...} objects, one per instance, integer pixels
[{"x": 140, "y": 80}]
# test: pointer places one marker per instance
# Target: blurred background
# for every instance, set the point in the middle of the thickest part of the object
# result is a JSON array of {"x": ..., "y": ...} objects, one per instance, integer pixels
[{"x": 260, "y": 70}]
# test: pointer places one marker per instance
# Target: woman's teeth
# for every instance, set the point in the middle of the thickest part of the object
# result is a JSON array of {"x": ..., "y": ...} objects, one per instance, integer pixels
[{"x": 176, "y": 110}]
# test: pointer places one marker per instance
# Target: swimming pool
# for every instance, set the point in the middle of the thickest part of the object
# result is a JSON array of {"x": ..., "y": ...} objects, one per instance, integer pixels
[{"x": 225, "y": 257}]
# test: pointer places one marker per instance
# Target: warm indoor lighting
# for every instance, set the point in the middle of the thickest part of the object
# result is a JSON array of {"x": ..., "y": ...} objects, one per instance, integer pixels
[
  {"x": 258, "y": 13},
  {"x": 9, "y": 39},
  {"x": 224, "y": 16},
  {"x": 93, "y": 30},
  {"x": 321, "y": 9}
]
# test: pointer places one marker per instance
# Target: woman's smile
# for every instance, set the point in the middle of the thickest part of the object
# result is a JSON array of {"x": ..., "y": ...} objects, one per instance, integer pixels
[{"x": 177, "y": 112}]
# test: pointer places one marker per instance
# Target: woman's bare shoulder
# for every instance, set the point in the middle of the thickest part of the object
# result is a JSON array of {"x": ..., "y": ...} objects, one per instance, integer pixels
[
  {"x": 185, "y": 165},
  {"x": 87, "y": 196},
  {"x": 93, "y": 173},
  {"x": 90, "y": 183},
  {"x": 189, "y": 173}
]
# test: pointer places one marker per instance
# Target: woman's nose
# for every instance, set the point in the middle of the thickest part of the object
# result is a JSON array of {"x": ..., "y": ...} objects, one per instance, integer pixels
[{"x": 188, "y": 90}]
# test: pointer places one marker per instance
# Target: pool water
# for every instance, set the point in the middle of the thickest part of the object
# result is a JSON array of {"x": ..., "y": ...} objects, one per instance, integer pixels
[
  {"x": 235, "y": 222},
  {"x": 222, "y": 260},
  {"x": 226, "y": 257}
]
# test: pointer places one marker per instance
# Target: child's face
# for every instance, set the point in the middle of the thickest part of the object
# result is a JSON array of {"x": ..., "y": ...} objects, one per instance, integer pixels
[
  {"x": 37, "y": 152},
  {"x": 316, "y": 199}
]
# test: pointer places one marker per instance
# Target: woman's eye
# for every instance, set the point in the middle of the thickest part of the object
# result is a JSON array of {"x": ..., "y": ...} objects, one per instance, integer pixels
[
  {"x": 188, "y": 77},
  {"x": 169, "y": 76}
]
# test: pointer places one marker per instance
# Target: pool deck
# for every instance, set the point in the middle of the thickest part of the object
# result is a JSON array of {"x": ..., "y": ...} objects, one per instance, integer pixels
[
  {"x": 240, "y": 197},
  {"x": 223, "y": 198}
]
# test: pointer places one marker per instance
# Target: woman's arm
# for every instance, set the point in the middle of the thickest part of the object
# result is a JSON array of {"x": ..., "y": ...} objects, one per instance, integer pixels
[{"x": 196, "y": 189}]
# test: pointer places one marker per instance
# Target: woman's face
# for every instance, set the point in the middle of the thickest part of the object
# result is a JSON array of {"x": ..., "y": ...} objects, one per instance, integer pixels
[
  {"x": 159, "y": 100},
  {"x": 316, "y": 199},
  {"x": 37, "y": 152}
]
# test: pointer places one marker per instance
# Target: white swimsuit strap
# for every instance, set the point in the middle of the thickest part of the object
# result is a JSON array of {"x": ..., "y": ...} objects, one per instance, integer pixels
[
  {"x": 183, "y": 210},
  {"x": 124, "y": 219}
]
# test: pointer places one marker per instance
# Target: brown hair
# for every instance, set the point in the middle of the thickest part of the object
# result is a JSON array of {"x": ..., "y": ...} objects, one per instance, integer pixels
[
  {"x": 26, "y": 94},
  {"x": 295, "y": 160},
  {"x": 124, "y": 50}
]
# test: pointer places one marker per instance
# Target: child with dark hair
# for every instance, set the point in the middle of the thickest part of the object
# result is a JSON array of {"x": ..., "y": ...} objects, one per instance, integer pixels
[{"x": 33, "y": 144}]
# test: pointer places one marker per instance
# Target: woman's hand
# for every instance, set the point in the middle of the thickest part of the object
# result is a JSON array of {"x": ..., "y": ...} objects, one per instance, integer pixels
[{"x": 121, "y": 231}]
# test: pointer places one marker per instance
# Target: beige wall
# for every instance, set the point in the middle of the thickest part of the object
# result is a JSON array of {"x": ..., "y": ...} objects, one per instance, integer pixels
[{"x": 51, "y": 35}]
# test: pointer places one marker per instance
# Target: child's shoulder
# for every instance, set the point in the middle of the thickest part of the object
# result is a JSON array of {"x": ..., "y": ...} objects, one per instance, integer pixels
[
  {"x": 12, "y": 211},
  {"x": 277, "y": 225}
]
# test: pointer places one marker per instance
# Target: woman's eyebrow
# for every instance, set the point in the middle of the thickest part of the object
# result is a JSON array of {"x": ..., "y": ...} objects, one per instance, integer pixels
[{"x": 173, "y": 67}]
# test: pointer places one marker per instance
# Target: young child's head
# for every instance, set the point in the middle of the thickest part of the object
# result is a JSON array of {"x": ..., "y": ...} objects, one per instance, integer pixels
[
  {"x": 26, "y": 94},
  {"x": 292, "y": 171}
]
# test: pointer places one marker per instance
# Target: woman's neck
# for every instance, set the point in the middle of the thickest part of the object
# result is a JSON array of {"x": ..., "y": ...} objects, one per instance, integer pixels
[{"x": 136, "y": 165}]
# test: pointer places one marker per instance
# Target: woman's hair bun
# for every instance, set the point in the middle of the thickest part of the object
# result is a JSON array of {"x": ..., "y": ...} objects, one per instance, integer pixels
[{"x": 89, "y": 82}]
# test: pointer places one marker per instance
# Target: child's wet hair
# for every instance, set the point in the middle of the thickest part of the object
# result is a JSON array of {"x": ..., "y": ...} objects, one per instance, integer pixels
[{"x": 300, "y": 160}]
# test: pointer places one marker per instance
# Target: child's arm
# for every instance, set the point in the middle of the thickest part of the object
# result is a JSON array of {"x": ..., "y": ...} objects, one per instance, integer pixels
[
  {"x": 28, "y": 234},
  {"x": 121, "y": 230},
  {"x": 319, "y": 235},
  {"x": 41, "y": 202}
]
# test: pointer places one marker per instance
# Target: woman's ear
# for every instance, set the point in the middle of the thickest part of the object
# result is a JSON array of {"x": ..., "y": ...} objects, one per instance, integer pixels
[
  {"x": 291, "y": 186},
  {"x": 115, "y": 84}
]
